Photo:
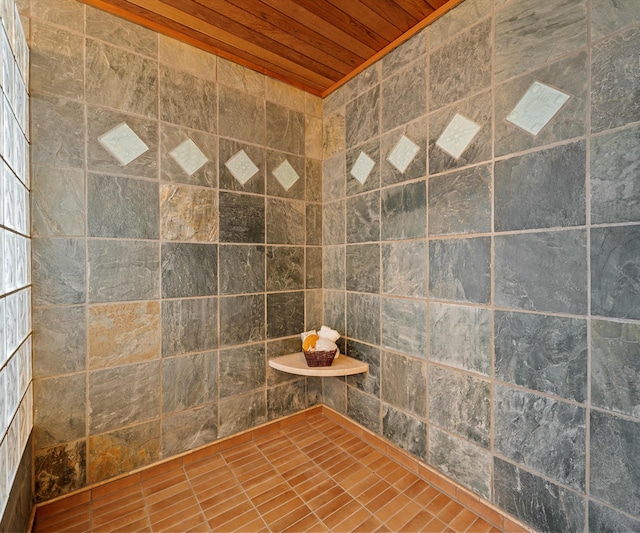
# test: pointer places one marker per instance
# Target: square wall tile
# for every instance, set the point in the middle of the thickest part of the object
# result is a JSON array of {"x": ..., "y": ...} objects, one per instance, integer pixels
[
  {"x": 404, "y": 326},
  {"x": 364, "y": 409},
  {"x": 404, "y": 383},
  {"x": 368, "y": 382},
  {"x": 286, "y": 399},
  {"x": 189, "y": 430},
  {"x": 189, "y": 270},
  {"x": 241, "y": 116},
  {"x": 242, "y": 319},
  {"x": 58, "y": 271},
  {"x": 404, "y": 268},
  {"x": 188, "y": 213},
  {"x": 285, "y": 221},
  {"x": 242, "y": 268},
  {"x": 242, "y": 218},
  {"x": 362, "y": 122},
  {"x": 405, "y": 431},
  {"x": 242, "y": 412},
  {"x": 187, "y": 100},
  {"x": 404, "y": 95},
  {"x": 363, "y": 317},
  {"x": 285, "y": 314},
  {"x": 242, "y": 369},
  {"x": 363, "y": 268},
  {"x": 285, "y": 175},
  {"x": 285, "y": 268},
  {"x": 203, "y": 145},
  {"x": 189, "y": 325},
  {"x": 404, "y": 212},
  {"x": 240, "y": 159},
  {"x": 363, "y": 217}
]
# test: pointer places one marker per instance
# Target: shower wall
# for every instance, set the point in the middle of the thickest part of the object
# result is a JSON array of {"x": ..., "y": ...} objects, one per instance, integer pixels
[
  {"x": 490, "y": 275},
  {"x": 162, "y": 281}
]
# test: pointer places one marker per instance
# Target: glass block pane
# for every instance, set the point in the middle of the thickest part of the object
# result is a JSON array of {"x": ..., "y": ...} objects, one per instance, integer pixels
[
  {"x": 26, "y": 418},
  {"x": 3, "y": 353},
  {"x": 7, "y": 67},
  {"x": 2, "y": 265},
  {"x": 3, "y": 402},
  {"x": 11, "y": 384},
  {"x": 24, "y": 314},
  {"x": 21, "y": 261},
  {"x": 10, "y": 240},
  {"x": 13, "y": 448},
  {"x": 11, "y": 324}
]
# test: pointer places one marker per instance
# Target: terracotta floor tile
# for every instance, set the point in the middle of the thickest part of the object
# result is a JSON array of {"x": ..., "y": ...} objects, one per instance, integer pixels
[
  {"x": 463, "y": 521},
  {"x": 338, "y": 466},
  {"x": 226, "y": 514},
  {"x": 403, "y": 516},
  {"x": 242, "y": 520},
  {"x": 390, "y": 508},
  {"x": 257, "y": 526},
  {"x": 323, "y": 496},
  {"x": 418, "y": 522},
  {"x": 450, "y": 512},
  {"x": 285, "y": 521},
  {"x": 427, "y": 496},
  {"x": 312, "y": 482},
  {"x": 352, "y": 510},
  {"x": 480, "y": 526},
  {"x": 269, "y": 494},
  {"x": 369, "y": 525},
  {"x": 383, "y": 498},
  {"x": 122, "y": 522},
  {"x": 158, "y": 502},
  {"x": 265, "y": 483},
  {"x": 273, "y": 514},
  {"x": 364, "y": 484},
  {"x": 308, "y": 523},
  {"x": 276, "y": 502},
  {"x": 416, "y": 488},
  {"x": 332, "y": 506},
  {"x": 140, "y": 525},
  {"x": 79, "y": 513},
  {"x": 66, "y": 522},
  {"x": 213, "y": 507},
  {"x": 374, "y": 490},
  {"x": 320, "y": 488},
  {"x": 251, "y": 474},
  {"x": 371, "y": 457},
  {"x": 119, "y": 509},
  {"x": 186, "y": 507},
  {"x": 185, "y": 519},
  {"x": 119, "y": 496},
  {"x": 436, "y": 526},
  {"x": 206, "y": 490},
  {"x": 208, "y": 465},
  {"x": 383, "y": 529},
  {"x": 438, "y": 504},
  {"x": 64, "y": 505}
]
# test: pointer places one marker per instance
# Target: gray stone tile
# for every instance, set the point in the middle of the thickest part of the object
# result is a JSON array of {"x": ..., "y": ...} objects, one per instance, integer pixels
[
  {"x": 242, "y": 269},
  {"x": 241, "y": 116},
  {"x": 615, "y": 366},
  {"x": 285, "y": 129},
  {"x": 242, "y": 218},
  {"x": 101, "y": 121},
  {"x": 460, "y": 269},
  {"x": 415, "y": 131},
  {"x": 362, "y": 117},
  {"x": 334, "y": 310},
  {"x": 120, "y": 32},
  {"x": 278, "y": 348},
  {"x": 189, "y": 430},
  {"x": 286, "y": 399},
  {"x": 613, "y": 85},
  {"x": 404, "y": 326},
  {"x": 57, "y": 132},
  {"x": 615, "y": 272},
  {"x": 363, "y": 268},
  {"x": 189, "y": 270},
  {"x": 541, "y": 33},
  {"x": 187, "y": 100},
  {"x": 334, "y": 172},
  {"x": 615, "y": 188},
  {"x": 460, "y": 337},
  {"x": 189, "y": 381},
  {"x": 285, "y": 221},
  {"x": 59, "y": 341},
  {"x": 460, "y": 404},
  {"x": 313, "y": 221},
  {"x": 609, "y": 16},
  {"x": 368, "y": 382},
  {"x": 285, "y": 268},
  {"x": 334, "y": 267},
  {"x": 372, "y": 150},
  {"x": 241, "y": 319},
  {"x": 615, "y": 468},
  {"x": 525, "y": 495},
  {"x": 462, "y": 68},
  {"x": 545, "y": 435},
  {"x": 64, "y": 419},
  {"x": 123, "y": 395},
  {"x": 121, "y": 80},
  {"x": 542, "y": 271},
  {"x": 171, "y": 137},
  {"x": 189, "y": 325},
  {"x": 285, "y": 314},
  {"x": 188, "y": 213},
  {"x": 404, "y": 212},
  {"x": 122, "y": 207},
  {"x": 364, "y": 409},
  {"x": 60, "y": 470},
  {"x": 242, "y": 412},
  {"x": 404, "y": 54},
  {"x": 333, "y": 223},
  {"x": 605, "y": 520},
  {"x": 543, "y": 353},
  {"x": 333, "y": 133},
  {"x": 274, "y": 187},
  {"x": 460, "y": 18},
  {"x": 460, "y": 202},
  {"x": 363, "y": 317},
  {"x": 314, "y": 391},
  {"x": 404, "y": 383},
  {"x": 405, "y": 431},
  {"x": 461, "y": 461},
  {"x": 363, "y": 217},
  {"x": 335, "y": 393},
  {"x": 569, "y": 76},
  {"x": 242, "y": 369},
  {"x": 404, "y": 95},
  {"x": 404, "y": 269},
  {"x": 313, "y": 268},
  {"x": 477, "y": 109},
  {"x": 367, "y": 79},
  {"x": 545, "y": 189},
  {"x": 57, "y": 202},
  {"x": 314, "y": 313},
  {"x": 228, "y": 148},
  {"x": 58, "y": 271},
  {"x": 313, "y": 175},
  {"x": 59, "y": 12}
]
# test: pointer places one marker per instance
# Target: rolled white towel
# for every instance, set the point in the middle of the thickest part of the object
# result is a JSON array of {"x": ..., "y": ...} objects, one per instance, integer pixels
[
  {"x": 328, "y": 333},
  {"x": 305, "y": 334}
]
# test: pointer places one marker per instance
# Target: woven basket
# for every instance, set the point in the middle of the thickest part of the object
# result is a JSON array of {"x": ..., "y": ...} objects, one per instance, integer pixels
[{"x": 319, "y": 358}]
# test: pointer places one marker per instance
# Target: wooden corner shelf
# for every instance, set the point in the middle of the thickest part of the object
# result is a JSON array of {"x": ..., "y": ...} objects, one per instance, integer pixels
[{"x": 295, "y": 363}]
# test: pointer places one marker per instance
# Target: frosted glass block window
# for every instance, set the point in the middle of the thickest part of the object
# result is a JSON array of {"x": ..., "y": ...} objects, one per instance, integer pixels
[
  {"x": 4, "y": 486},
  {"x": 4, "y": 419},
  {"x": 13, "y": 448},
  {"x": 11, "y": 384},
  {"x": 10, "y": 263},
  {"x": 7, "y": 67}
]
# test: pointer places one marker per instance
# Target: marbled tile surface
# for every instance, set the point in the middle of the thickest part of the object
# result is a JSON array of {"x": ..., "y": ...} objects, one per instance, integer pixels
[
  {"x": 242, "y": 218},
  {"x": 542, "y": 271},
  {"x": 364, "y": 409},
  {"x": 363, "y": 217},
  {"x": 335, "y": 393},
  {"x": 404, "y": 326},
  {"x": 608, "y": 16},
  {"x": 286, "y": 399},
  {"x": 363, "y": 267},
  {"x": 171, "y": 137},
  {"x": 404, "y": 211},
  {"x": 460, "y": 404},
  {"x": 362, "y": 122},
  {"x": 544, "y": 353},
  {"x": 334, "y": 173},
  {"x": 615, "y": 272},
  {"x": 451, "y": 23},
  {"x": 241, "y": 319},
  {"x": 405, "y": 431},
  {"x": 525, "y": 496},
  {"x": 313, "y": 175},
  {"x": 242, "y": 268},
  {"x": 460, "y": 202},
  {"x": 241, "y": 116},
  {"x": 416, "y": 132},
  {"x": 615, "y": 188},
  {"x": 188, "y": 213},
  {"x": 462, "y": 461},
  {"x": 189, "y": 270},
  {"x": 60, "y": 13},
  {"x": 58, "y": 271},
  {"x": 605, "y": 519},
  {"x": 545, "y": 435},
  {"x": 404, "y": 268},
  {"x": 333, "y": 267},
  {"x": 313, "y": 313},
  {"x": 313, "y": 268},
  {"x": 276, "y": 348},
  {"x": 239, "y": 77},
  {"x": 242, "y": 412},
  {"x": 285, "y": 128},
  {"x": 313, "y": 136},
  {"x": 314, "y": 391},
  {"x": 285, "y": 268},
  {"x": 188, "y": 430},
  {"x": 367, "y": 79},
  {"x": 57, "y": 202},
  {"x": 333, "y": 223},
  {"x": 404, "y": 54},
  {"x": 334, "y": 310},
  {"x": 229, "y": 148},
  {"x": 372, "y": 150},
  {"x": 242, "y": 369},
  {"x": 193, "y": 60},
  {"x": 122, "y": 207},
  {"x": 333, "y": 133},
  {"x": 189, "y": 325},
  {"x": 285, "y": 314},
  {"x": 363, "y": 317},
  {"x": 538, "y": 32},
  {"x": 545, "y": 189},
  {"x": 404, "y": 383},
  {"x": 187, "y": 100},
  {"x": 460, "y": 269},
  {"x": 189, "y": 381},
  {"x": 285, "y": 221},
  {"x": 60, "y": 470},
  {"x": 460, "y": 337},
  {"x": 313, "y": 220},
  {"x": 615, "y": 366},
  {"x": 120, "y": 32},
  {"x": 404, "y": 95},
  {"x": 615, "y": 463},
  {"x": 368, "y": 382}
]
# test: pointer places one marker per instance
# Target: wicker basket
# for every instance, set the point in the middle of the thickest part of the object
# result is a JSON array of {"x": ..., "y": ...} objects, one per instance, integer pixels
[{"x": 319, "y": 358}]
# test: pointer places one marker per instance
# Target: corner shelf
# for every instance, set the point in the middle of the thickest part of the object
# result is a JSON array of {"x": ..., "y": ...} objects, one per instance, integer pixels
[{"x": 295, "y": 363}]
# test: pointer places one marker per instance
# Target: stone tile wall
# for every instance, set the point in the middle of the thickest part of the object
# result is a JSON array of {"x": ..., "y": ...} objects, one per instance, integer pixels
[
  {"x": 495, "y": 295},
  {"x": 160, "y": 291}
]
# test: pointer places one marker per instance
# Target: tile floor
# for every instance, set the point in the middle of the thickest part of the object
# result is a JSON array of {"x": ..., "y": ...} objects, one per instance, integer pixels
[{"x": 310, "y": 476}]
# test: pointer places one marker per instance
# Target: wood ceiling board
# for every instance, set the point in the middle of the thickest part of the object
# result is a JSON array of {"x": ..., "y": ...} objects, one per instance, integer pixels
[
  {"x": 416, "y": 8},
  {"x": 363, "y": 14},
  {"x": 393, "y": 12}
]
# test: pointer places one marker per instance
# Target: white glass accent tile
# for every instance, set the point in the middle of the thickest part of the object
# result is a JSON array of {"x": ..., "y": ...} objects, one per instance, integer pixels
[
  {"x": 8, "y": 142},
  {"x": 241, "y": 167},
  {"x": 537, "y": 107},
  {"x": 7, "y": 68},
  {"x": 11, "y": 382},
  {"x": 3, "y": 354},
  {"x": 11, "y": 324},
  {"x": 10, "y": 262},
  {"x": 3, "y": 401},
  {"x": 123, "y": 143},
  {"x": 189, "y": 157},
  {"x": 13, "y": 448},
  {"x": 26, "y": 418},
  {"x": 24, "y": 315},
  {"x": 362, "y": 167},
  {"x": 286, "y": 175},
  {"x": 24, "y": 366},
  {"x": 457, "y": 135},
  {"x": 403, "y": 153},
  {"x": 21, "y": 261}
]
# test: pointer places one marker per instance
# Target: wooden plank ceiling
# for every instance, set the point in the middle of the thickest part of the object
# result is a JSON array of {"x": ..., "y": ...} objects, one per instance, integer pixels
[{"x": 316, "y": 45}]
